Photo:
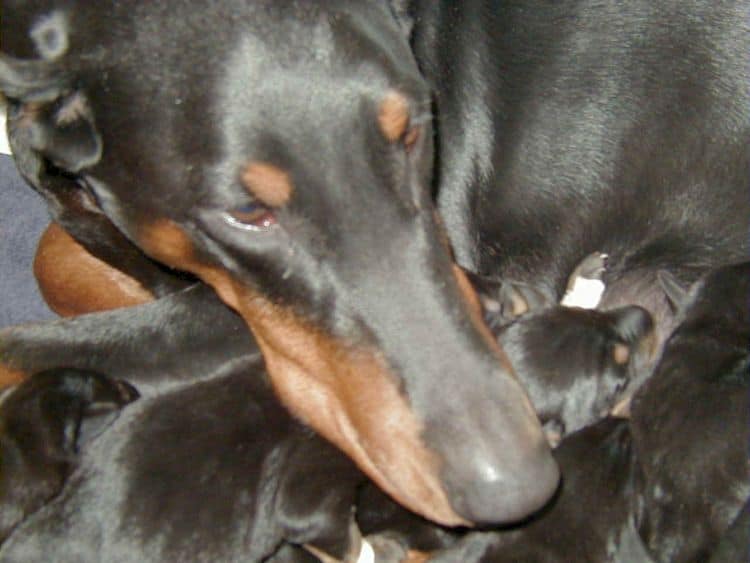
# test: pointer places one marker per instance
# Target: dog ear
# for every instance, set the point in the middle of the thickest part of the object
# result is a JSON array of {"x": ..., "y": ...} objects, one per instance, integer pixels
[
  {"x": 62, "y": 131},
  {"x": 632, "y": 323},
  {"x": 47, "y": 117},
  {"x": 31, "y": 81},
  {"x": 634, "y": 329},
  {"x": 676, "y": 292}
]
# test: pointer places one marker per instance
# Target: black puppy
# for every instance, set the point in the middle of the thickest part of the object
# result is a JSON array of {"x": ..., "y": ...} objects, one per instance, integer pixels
[
  {"x": 593, "y": 517},
  {"x": 577, "y": 364},
  {"x": 691, "y": 421},
  {"x": 43, "y": 423},
  {"x": 287, "y": 159},
  {"x": 207, "y": 465}
]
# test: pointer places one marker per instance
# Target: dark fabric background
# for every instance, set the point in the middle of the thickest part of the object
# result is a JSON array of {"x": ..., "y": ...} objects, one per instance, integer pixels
[{"x": 23, "y": 218}]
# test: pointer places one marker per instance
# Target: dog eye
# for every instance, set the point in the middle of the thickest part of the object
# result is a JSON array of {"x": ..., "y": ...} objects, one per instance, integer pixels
[
  {"x": 253, "y": 217},
  {"x": 410, "y": 138}
]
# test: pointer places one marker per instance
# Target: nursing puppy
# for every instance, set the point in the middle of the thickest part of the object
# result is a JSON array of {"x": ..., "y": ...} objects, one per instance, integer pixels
[
  {"x": 593, "y": 517},
  {"x": 577, "y": 364},
  {"x": 691, "y": 421},
  {"x": 43, "y": 424}
]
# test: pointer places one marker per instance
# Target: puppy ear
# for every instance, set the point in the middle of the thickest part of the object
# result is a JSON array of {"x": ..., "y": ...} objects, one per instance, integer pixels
[
  {"x": 632, "y": 323},
  {"x": 41, "y": 432},
  {"x": 634, "y": 329},
  {"x": 676, "y": 292},
  {"x": 47, "y": 117}
]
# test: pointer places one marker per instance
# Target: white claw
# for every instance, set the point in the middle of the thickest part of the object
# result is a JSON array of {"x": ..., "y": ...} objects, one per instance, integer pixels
[
  {"x": 584, "y": 292},
  {"x": 366, "y": 554}
]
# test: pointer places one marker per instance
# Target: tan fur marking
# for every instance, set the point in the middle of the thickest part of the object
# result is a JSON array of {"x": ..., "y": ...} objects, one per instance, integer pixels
[
  {"x": 73, "y": 282},
  {"x": 271, "y": 185},
  {"x": 393, "y": 115},
  {"x": 621, "y": 353},
  {"x": 10, "y": 376},
  {"x": 165, "y": 241},
  {"x": 349, "y": 396},
  {"x": 346, "y": 394},
  {"x": 413, "y": 556}
]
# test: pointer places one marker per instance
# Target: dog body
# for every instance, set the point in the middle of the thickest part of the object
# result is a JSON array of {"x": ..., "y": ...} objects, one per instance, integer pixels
[
  {"x": 577, "y": 364},
  {"x": 206, "y": 465},
  {"x": 270, "y": 160},
  {"x": 592, "y": 518},
  {"x": 286, "y": 158},
  {"x": 691, "y": 422},
  {"x": 579, "y": 127},
  {"x": 45, "y": 421}
]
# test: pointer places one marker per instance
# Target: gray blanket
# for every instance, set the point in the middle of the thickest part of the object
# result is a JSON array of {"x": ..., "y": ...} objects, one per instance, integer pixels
[{"x": 23, "y": 218}]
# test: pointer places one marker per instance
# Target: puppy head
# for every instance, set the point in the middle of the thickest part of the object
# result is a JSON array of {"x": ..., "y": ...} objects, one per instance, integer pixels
[{"x": 576, "y": 364}]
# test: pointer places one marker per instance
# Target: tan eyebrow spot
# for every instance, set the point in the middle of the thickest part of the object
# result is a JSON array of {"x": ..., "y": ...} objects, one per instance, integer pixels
[
  {"x": 165, "y": 241},
  {"x": 621, "y": 353},
  {"x": 393, "y": 115},
  {"x": 271, "y": 185}
]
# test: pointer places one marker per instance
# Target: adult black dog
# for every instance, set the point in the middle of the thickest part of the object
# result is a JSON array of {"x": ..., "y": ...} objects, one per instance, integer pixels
[{"x": 283, "y": 152}]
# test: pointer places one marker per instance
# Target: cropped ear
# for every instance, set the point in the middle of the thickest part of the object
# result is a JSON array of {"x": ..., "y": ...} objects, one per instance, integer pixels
[
  {"x": 47, "y": 117},
  {"x": 676, "y": 292}
]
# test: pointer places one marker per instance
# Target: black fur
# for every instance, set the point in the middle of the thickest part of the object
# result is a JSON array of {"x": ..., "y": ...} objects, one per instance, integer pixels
[{"x": 560, "y": 129}]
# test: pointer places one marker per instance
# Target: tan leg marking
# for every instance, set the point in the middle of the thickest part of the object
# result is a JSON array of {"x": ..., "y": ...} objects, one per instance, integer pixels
[{"x": 74, "y": 282}]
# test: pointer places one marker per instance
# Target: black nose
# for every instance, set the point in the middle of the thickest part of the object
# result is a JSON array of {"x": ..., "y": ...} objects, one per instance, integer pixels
[
  {"x": 492, "y": 493},
  {"x": 496, "y": 464}
]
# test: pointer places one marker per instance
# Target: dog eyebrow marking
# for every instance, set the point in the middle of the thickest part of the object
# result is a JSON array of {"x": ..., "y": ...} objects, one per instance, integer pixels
[
  {"x": 167, "y": 242},
  {"x": 393, "y": 115},
  {"x": 268, "y": 183}
]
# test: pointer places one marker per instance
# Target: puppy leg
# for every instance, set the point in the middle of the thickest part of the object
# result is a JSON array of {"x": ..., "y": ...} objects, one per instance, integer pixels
[{"x": 73, "y": 281}]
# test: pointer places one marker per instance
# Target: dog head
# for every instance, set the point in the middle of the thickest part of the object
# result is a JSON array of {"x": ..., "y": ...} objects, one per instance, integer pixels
[{"x": 282, "y": 152}]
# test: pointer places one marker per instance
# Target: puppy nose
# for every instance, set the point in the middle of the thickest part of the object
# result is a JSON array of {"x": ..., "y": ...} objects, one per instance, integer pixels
[{"x": 513, "y": 489}]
